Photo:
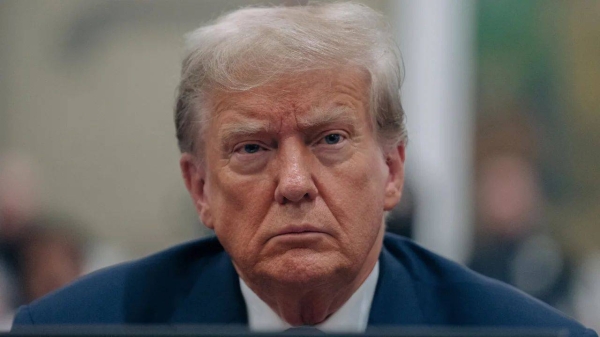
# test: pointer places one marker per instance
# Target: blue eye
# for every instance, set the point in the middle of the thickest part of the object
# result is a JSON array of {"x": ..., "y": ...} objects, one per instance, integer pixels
[
  {"x": 333, "y": 138},
  {"x": 251, "y": 148}
]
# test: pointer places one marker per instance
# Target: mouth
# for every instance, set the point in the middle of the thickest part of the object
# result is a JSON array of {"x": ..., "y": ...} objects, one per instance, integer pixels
[{"x": 299, "y": 231}]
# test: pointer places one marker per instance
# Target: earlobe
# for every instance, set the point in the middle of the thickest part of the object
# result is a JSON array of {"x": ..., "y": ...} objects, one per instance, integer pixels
[
  {"x": 395, "y": 182},
  {"x": 194, "y": 176}
]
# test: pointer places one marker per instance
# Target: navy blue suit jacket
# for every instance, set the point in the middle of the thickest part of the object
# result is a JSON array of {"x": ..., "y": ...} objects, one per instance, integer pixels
[{"x": 195, "y": 283}]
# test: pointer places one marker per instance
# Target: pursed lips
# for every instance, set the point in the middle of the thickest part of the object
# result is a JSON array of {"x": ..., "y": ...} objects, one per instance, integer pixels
[{"x": 299, "y": 229}]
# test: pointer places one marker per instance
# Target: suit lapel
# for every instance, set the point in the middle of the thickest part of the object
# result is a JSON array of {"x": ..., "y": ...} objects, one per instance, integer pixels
[
  {"x": 215, "y": 298},
  {"x": 395, "y": 301}
]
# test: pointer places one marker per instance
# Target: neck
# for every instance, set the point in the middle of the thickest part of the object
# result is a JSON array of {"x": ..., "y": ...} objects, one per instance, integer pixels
[{"x": 313, "y": 304}]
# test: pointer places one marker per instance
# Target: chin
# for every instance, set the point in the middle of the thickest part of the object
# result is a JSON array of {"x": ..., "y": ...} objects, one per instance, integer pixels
[{"x": 303, "y": 267}]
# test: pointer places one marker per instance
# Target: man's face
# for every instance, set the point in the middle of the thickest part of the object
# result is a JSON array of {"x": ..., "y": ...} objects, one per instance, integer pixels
[{"x": 294, "y": 182}]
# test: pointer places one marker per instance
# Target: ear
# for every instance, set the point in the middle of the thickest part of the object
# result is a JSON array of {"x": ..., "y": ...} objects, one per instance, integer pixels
[
  {"x": 194, "y": 176},
  {"x": 394, "y": 160}
]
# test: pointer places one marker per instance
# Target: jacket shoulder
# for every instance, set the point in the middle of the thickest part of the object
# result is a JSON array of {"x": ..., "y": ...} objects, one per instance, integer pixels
[
  {"x": 145, "y": 290},
  {"x": 451, "y": 294}
]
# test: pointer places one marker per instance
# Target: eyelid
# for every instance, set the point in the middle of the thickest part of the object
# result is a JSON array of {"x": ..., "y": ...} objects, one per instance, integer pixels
[
  {"x": 321, "y": 138},
  {"x": 241, "y": 145},
  {"x": 233, "y": 136}
]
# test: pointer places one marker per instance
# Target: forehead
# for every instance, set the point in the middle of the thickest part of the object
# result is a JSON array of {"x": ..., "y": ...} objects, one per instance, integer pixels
[{"x": 294, "y": 96}]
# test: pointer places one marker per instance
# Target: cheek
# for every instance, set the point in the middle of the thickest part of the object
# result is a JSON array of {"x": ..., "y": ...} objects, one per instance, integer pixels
[
  {"x": 355, "y": 195},
  {"x": 239, "y": 204}
]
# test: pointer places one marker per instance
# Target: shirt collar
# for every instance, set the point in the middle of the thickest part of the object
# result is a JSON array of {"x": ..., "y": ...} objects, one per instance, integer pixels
[{"x": 353, "y": 316}]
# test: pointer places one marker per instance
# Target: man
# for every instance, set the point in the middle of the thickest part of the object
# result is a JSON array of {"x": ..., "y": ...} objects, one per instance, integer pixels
[{"x": 293, "y": 145}]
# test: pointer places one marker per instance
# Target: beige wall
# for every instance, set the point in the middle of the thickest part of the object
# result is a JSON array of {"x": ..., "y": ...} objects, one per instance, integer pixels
[{"x": 87, "y": 90}]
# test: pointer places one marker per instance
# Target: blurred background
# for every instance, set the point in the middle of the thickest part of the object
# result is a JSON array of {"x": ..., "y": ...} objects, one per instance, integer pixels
[{"x": 503, "y": 112}]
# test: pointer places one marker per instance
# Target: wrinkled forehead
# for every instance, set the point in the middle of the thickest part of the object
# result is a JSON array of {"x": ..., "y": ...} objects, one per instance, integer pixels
[{"x": 299, "y": 93}]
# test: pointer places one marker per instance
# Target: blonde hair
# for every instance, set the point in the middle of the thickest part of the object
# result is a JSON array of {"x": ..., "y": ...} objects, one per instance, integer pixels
[{"x": 251, "y": 47}]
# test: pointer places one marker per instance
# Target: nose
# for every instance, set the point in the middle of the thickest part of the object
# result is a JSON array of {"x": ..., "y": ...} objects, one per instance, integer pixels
[{"x": 296, "y": 182}]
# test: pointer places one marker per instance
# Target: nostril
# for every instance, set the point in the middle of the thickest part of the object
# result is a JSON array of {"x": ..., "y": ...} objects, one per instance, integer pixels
[{"x": 285, "y": 200}]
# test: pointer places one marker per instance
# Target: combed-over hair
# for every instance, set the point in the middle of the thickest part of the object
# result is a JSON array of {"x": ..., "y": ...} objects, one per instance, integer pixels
[{"x": 251, "y": 47}]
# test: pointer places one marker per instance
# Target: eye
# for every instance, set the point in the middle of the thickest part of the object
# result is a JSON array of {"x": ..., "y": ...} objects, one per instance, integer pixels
[
  {"x": 251, "y": 148},
  {"x": 332, "y": 138}
]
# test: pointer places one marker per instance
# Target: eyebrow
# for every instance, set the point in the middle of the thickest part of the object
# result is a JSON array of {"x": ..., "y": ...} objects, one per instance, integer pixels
[
  {"x": 237, "y": 130},
  {"x": 321, "y": 117}
]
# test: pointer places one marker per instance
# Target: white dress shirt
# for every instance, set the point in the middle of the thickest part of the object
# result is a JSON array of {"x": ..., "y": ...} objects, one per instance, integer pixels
[{"x": 353, "y": 316}]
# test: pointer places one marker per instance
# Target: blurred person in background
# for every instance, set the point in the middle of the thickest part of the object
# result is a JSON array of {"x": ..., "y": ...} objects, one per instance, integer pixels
[
  {"x": 39, "y": 251},
  {"x": 19, "y": 205},
  {"x": 514, "y": 243},
  {"x": 51, "y": 256},
  {"x": 292, "y": 141},
  {"x": 539, "y": 60}
]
